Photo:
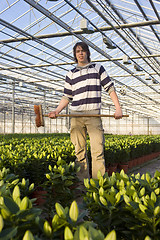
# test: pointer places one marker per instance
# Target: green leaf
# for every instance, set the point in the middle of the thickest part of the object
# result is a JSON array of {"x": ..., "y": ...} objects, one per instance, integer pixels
[
  {"x": 16, "y": 192},
  {"x": 142, "y": 192},
  {"x": 31, "y": 187},
  {"x": 122, "y": 173},
  {"x": 118, "y": 197},
  {"x": 73, "y": 211},
  {"x": 101, "y": 191},
  {"x": 47, "y": 229},
  {"x": 142, "y": 208},
  {"x": 23, "y": 182},
  {"x": 147, "y": 238},
  {"x": 18, "y": 201},
  {"x": 92, "y": 182},
  {"x": 103, "y": 200},
  {"x": 95, "y": 234},
  {"x": 157, "y": 191},
  {"x": 28, "y": 236},
  {"x": 99, "y": 175},
  {"x": 1, "y": 223},
  {"x": 55, "y": 221},
  {"x": 48, "y": 176},
  {"x": 24, "y": 203},
  {"x": 95, "y": 197},
  {"x": 8, "y": 233},
  {"x": 60, "y": 210},
  {"x": 126, "y": 199},
  {"x": 29, "y": 214},
  {"x": 14, "y": 182},
  {"x": 111, "y": 235},
  {"x": 156, "y": 210},
  {"x": 153, "y": 197},
  {"x": 101, "y": 181},
  {"x": 11, "y": 205},
  {"x": 157, "y": 174},
  {"x": 5, "y": 213},
  {"x": 68, "y": 234},
  {"x": 148, "y": 177},
  {"x": 86, "y": 183},
  {"x": 83, "y": 234}
]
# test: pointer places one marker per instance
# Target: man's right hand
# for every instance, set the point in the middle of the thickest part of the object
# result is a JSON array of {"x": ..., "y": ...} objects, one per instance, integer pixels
[{"x": 53, "y": 114}]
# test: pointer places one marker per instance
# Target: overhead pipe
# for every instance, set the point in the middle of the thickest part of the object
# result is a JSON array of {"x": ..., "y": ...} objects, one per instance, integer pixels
[
  {"x": 13, "y": 107},
  {"x": 145, "y": 16},
  {"x": 69, "y": 29},
  {"x": 71, "y": 63},
  {"x": 131, "y": 30},
  {"x": 64, "y": 34},
  {"x": 18, "y": 30},
  {"x": 106, "y": 20}
]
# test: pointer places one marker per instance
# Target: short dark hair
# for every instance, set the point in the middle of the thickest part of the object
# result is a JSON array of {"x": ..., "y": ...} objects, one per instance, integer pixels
[{"x": 85, "y": 47}]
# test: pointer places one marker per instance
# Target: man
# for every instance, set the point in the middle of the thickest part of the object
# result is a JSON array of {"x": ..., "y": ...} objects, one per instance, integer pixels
[{"x": 83, "y": 90}]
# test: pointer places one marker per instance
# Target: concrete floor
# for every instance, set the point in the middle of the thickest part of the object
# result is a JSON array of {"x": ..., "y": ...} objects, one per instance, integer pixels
[{"x": 150, "y": 166}]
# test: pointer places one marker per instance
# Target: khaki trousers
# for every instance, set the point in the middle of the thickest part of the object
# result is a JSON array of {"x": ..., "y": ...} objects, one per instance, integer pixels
[{"x": 80, "y": 126}]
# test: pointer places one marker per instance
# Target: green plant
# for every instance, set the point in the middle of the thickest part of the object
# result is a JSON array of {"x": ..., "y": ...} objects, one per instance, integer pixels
[
  {"x": 60, "y": 184},
  {"x": 130, "y": 205},
  {"x": 69, "y": 223},
  {"x": 16, "y": 215}
]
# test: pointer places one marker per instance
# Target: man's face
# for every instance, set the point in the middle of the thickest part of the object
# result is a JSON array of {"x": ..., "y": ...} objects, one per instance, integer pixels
[{"x": 81, "y": 56}]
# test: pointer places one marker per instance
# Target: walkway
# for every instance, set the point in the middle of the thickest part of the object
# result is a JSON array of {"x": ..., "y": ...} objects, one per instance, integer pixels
[{"x": 150, "y": 166}]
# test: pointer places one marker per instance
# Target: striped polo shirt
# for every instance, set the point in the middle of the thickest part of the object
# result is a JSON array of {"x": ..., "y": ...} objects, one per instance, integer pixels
[{"x": 83, "y": 86}]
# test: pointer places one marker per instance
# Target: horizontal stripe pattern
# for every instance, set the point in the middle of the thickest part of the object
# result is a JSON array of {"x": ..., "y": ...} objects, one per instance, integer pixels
[
  {"x": 83, "y": 87},
  {"x": 86, "y": 101},
  {"x": 93, "y": 88}
]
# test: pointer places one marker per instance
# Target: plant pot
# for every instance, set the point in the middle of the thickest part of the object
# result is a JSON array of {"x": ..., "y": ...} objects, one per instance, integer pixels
[
  {"x": 130, "y": 164},
  {"x": 40, "y": 196},
  {"x": 112, "y": 169},
  {"x": 135, "y": 162},
  {"x": 123, "y": 166},
  {"x": 139, "y": 160}
]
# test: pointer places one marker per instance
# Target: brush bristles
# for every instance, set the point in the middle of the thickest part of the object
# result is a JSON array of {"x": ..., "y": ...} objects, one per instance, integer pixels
[
  {"x": 39, "y": 117},
  {"x": 36, "y": 109},
  {"x": 38, "y": 122}
]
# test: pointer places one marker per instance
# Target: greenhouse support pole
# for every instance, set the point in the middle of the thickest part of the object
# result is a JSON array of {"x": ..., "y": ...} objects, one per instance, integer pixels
[
  {"x": 67, "y": 119},
  {"x": 44, "y": 129},
  {"x": 50, "y": 126},
  {"x": 56, "y": 125},
  {"x": 22, "y": 120},
  {"x": 13, "y": 108},
  {"x": 61, "y": 125},
  {"x": 148, "y": 126},
  {"x": 30, "y": 120},
  {"x": 132, "y": 122},
  {"x": 126, "y": 122},
  {"x": 109, "y": 124},
  {"x": 4, "y": 126}
]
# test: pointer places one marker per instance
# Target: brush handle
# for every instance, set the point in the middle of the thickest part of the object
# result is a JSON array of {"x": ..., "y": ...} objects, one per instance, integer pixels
[{"x": 84, "y": 115}]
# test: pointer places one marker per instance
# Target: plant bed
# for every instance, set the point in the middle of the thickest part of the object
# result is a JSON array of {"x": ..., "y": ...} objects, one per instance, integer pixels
[
  {"x": 40, "y": 195},
  {"x": 138, "y": 161},
  {"x": 123, "y": 166},
  {"x": 129, "y": 205}
]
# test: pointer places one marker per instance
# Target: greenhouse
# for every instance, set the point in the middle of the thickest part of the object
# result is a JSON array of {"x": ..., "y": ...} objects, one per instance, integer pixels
[
  {"x": 37, "y": 38},
  {"x": 80, "y": 120}
]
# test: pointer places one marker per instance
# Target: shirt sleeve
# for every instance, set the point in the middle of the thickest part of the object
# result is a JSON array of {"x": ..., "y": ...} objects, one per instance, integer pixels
[
  {"x": 106, "y": 82},
  {"x": 68, "y": 89}
]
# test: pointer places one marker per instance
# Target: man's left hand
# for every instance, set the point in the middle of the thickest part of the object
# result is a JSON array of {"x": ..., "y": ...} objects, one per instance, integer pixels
[{"x": 118, "y": 114}]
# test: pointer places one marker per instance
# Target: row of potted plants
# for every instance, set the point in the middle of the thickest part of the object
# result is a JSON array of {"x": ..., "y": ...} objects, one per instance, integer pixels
[
  {"x": 129, "y": 205},
  {"x": 30, "y": 155},
  {"x": 111, "y": 205},
  {"x": 20, "y": 219}
]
